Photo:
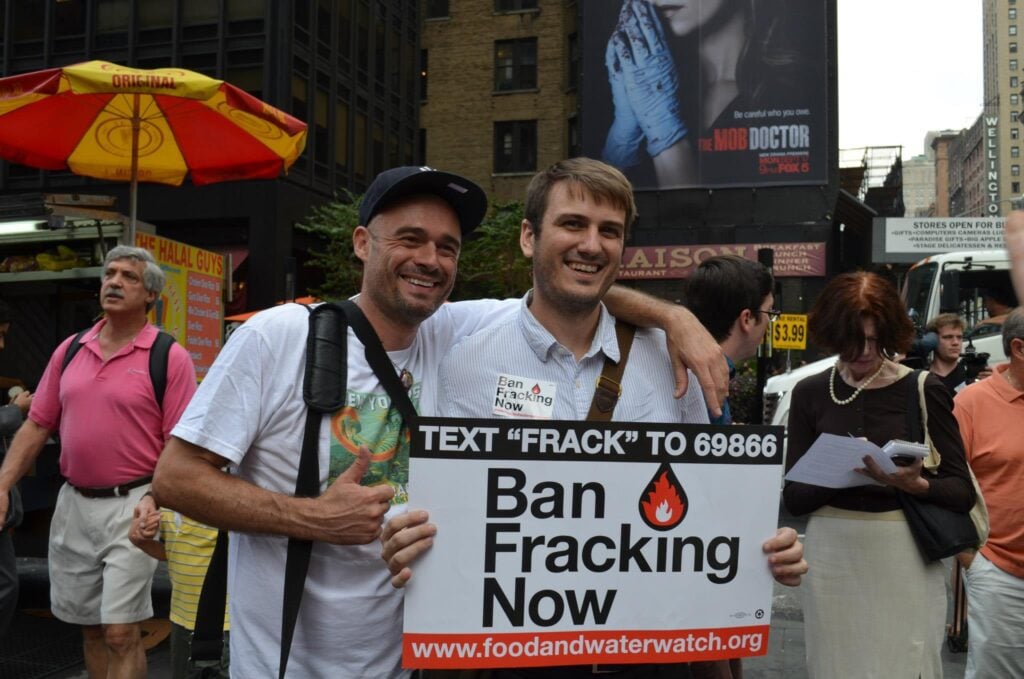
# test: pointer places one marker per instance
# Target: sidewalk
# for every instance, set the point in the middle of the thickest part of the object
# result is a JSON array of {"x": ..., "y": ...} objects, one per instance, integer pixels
[{"x": 60, "y": 645}]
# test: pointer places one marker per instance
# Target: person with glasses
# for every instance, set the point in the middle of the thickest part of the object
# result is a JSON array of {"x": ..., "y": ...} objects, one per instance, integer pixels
[{"x": 732, "y": 297}]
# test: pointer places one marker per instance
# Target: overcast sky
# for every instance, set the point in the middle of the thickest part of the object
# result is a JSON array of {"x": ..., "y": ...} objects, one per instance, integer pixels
[{"x": 907, "y": 67}]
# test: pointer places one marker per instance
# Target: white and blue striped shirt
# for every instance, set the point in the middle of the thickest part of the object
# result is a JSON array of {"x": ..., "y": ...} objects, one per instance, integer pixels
[{"x": 519, "y": 363}]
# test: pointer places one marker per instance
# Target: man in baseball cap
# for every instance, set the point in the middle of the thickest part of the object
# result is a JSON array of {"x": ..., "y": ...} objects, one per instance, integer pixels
[
  {"x": 466, "y": 198},
  {"x": 249, "y": 412}
]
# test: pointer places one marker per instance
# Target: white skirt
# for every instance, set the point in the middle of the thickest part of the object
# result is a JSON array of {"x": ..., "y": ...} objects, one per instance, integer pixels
[{"x": 872, "y": 606}]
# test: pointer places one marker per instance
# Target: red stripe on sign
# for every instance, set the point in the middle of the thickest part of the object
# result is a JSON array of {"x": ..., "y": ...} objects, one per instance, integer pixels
[{"x": 540, "y": 649}]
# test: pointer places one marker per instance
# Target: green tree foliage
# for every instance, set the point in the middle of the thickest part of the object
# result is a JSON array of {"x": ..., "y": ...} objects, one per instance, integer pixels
[
  {"x": 490, "y": 265},
  {"x": 333, "y": 223}
]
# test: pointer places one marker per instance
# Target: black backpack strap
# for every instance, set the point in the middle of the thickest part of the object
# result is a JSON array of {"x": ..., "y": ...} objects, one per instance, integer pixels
[
  {"x": 72, "y": 349},
  {"x": 208, "y": 637},
  {"x": 158, "y": 354},
  {"x": 323, "y": 390}
]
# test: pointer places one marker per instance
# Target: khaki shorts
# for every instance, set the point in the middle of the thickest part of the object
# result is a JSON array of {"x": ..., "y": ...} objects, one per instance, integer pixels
[{"x": 97, "y": 576}]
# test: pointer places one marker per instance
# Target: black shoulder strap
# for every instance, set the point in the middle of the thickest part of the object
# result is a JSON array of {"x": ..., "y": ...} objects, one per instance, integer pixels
[
  {"x": 914, "y": 431},
  {"x": 378, "y": 359},
  {"x": 158, "y": 354},
  {"x": 72, "y": 349},
  {"x": 323, "y": 389},
  {"x": 324, "y": 392}
]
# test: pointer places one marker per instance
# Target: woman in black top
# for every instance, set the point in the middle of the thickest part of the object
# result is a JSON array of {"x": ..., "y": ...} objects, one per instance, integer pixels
[{"x": 873, "y": 607}]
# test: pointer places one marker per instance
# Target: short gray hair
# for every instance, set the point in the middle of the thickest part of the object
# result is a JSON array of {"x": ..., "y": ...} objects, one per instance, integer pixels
[
  {"x": 1013, "y": 328},
  {"x": 153, "y": 278}
]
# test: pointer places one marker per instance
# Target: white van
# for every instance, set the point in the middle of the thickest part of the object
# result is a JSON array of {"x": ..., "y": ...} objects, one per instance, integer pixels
[{"x": 950, "y": 282}]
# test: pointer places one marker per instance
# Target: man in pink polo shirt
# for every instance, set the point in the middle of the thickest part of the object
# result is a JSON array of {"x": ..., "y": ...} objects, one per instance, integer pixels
[
  {"x": 112, "y": 430},
  {"x": 991, "y": 418}
]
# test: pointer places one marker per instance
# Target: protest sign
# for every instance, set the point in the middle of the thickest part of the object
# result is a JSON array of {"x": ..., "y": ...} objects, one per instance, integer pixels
[{"x": 565, "y": 543}]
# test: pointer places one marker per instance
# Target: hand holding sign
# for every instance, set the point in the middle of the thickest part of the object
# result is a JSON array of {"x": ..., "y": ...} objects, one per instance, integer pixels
[
  {"x": 786, "y": 556},
  {"x": 405, "y": 537}
]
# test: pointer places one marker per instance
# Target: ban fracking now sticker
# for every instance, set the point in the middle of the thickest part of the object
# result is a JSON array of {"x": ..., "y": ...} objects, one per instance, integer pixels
[{"x": 523, "y": 397}]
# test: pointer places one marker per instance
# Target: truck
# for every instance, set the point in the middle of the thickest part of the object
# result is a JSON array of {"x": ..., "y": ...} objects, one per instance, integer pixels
[{"x": 949, "y": 282}]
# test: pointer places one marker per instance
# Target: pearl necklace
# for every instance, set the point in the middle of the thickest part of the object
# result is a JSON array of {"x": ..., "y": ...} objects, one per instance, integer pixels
[{"x": 856, "y": 392}]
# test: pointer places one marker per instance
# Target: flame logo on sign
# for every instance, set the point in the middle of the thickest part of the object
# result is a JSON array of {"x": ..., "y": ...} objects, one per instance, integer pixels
[
  {"x": 663, "y": 503},
  {"x": 536, "y": 389}
]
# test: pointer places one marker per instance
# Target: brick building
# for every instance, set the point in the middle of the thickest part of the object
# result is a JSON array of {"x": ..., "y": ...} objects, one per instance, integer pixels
[{"x": 499, "y": 81}]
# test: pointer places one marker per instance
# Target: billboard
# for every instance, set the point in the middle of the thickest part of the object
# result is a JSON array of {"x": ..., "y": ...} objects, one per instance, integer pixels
[{"x": 709, "y": 93}]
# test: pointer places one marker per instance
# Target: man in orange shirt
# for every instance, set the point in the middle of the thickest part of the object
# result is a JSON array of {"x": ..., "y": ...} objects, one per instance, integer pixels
[{"x": 991, "y": 418}]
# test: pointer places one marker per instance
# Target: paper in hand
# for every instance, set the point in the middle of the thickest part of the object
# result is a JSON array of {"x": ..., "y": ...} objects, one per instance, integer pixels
[{"x": 831, "y": 460}]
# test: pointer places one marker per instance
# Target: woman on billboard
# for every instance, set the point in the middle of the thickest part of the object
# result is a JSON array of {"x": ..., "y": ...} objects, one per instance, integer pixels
[{"x": 701, "y": 84}]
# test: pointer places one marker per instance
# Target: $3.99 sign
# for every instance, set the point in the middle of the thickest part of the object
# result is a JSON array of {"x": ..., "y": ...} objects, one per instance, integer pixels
[{"x": 790, "y": 332}]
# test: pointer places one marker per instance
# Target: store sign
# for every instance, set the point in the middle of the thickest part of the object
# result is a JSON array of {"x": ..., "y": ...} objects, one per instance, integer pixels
[
  {"x": 190, "y": 307},
  {"x": 677, "y": 261},
  {"x": 930, "y": 235}
]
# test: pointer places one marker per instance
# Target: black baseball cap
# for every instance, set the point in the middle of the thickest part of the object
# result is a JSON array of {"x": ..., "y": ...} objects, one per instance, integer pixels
[{"x": 467, "y": 199}]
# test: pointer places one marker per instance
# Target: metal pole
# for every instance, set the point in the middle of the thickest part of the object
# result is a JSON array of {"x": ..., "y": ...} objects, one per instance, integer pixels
[
  {"x": 134, "y": 192},
  {"x": 765, "y": 256}
]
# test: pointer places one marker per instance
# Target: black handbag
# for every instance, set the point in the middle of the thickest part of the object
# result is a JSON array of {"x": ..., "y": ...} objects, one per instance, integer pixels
[{"x": 938, "y": 532}]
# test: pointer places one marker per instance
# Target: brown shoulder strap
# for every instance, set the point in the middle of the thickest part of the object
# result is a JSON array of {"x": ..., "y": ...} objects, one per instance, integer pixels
[{"x": 609, "y": 384}]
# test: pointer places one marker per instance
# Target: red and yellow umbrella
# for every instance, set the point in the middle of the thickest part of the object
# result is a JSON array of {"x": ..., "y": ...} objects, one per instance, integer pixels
[{"x": 107, "y": 121}]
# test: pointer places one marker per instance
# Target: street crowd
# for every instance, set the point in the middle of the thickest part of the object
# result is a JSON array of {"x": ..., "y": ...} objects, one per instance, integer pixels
[{"x": 155, "y": 466}]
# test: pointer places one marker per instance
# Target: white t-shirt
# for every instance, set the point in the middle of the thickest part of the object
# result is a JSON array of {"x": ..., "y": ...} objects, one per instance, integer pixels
[{"x": 249, "y": 410}]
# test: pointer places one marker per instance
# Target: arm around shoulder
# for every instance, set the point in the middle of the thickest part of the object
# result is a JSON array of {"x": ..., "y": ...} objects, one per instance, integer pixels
[{"x": 690, "y": 345}]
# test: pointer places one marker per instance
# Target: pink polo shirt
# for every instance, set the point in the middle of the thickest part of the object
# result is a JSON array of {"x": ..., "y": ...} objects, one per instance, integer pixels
[
  {"x": 991, "y": 418},
  {"x": 111, "y": 428}
]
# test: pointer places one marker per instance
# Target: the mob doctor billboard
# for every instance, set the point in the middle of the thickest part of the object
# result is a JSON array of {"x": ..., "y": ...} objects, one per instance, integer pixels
[{"x": 707, "y": 94}]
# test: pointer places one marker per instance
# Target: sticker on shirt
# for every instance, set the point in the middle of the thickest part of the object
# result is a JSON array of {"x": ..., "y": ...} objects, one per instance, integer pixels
[{"x": 523, "y": 397}]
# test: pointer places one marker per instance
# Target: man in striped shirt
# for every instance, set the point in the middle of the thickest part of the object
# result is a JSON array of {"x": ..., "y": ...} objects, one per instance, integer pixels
[{"x": 576, "y": 218}]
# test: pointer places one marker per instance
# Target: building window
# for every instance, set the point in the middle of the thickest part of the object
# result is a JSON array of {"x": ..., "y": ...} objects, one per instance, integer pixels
[
  {"x": 574, "y": 136},
  {"x": 1014, "y": 115},
  {"x": 1013, "y": 64},
  {"x": 1014, "y": 187},
  {"x": 423, "y": 75},
  {"x": 515, "y": 64},
  {"x": 515, "y": 146},
  {"x": 1014, "y": 82},
  {"x": 1013, "y": 47},
  {"x": 1015, "y": 170},
  {"x": 1013, "y": 13},
  {"x": 1015, "y": 152},
  {"x": 574, "y": 60},
  {"x": 1014, "y": 99},
  {"x": 1014, "y": 133},
  {"x": 437, "y": 9},
  {"x": 1013, "y": 29},
  {"x": 514, "y": 5}
]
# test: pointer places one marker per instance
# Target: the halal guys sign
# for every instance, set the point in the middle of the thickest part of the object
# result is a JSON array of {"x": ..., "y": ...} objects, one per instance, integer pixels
[{"x": 575, "y": 542}]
